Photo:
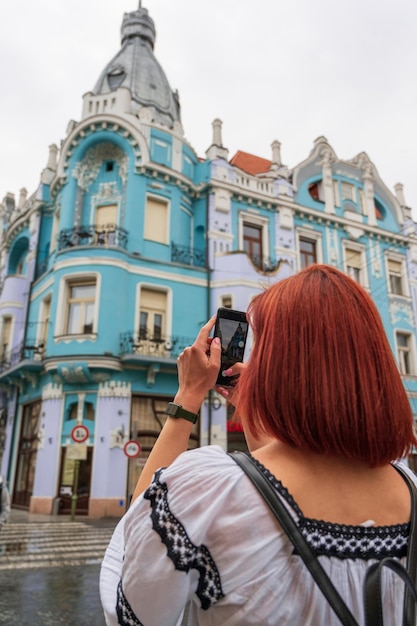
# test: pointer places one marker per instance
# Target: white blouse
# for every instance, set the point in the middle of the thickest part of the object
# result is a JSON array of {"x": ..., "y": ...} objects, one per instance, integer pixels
[{"x": 202, "y": 533}]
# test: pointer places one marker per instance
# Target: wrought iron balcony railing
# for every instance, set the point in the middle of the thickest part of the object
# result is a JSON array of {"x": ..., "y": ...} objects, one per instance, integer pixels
[
  {"x": 41, "y": 268},
  {"x": 108, "y": 236},
  {"x": 29, "y": 351},
  {"x": 265, "y": 264},
  {"x": 146, "y": 344},
  {"x": 187, "y": 255}
]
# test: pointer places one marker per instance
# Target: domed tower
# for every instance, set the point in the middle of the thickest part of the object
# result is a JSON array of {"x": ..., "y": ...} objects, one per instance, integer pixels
[
  {"x": 135, "y": 68},
  {"x": 120, "y": 254}
]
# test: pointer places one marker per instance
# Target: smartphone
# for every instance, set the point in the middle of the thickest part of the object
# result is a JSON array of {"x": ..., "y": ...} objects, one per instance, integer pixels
[{"x": 232, "y": 329}]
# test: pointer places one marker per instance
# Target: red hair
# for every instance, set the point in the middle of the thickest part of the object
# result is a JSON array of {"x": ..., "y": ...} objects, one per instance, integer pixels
[{"x": 321, "y": 375}]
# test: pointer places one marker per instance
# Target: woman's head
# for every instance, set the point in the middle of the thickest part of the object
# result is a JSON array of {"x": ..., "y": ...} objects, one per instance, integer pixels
[{"x": 321, "y": 374}]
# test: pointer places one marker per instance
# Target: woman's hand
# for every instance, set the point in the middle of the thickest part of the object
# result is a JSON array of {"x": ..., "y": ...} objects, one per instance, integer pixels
[
  {"x": 230, "y": 393},
  {"x": 198, "y": 368}
]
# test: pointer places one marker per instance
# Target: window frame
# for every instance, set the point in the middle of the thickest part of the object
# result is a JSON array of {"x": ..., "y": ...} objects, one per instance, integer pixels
[
  {"x": 257, "y": 221},
  {"x": 62, "y": 315},
  {"x": 226, "y": 296},
  {"x": 409, "y": 351},
  {"x": 167, "y": 332},
  {"x": 363, "y": 270},
  {"x": 83, "y": 303},
  {"x": 5, "y": 352},
  {"x": 313, "y": 236},
  {"x": 44, "y": 320},
  {"x": 161, "y": 200},
  {"x": 404, "y": 287}
]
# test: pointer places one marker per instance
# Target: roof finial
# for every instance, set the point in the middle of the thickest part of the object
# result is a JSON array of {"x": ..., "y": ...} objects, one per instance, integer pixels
[{"x": 140, "y": 4}]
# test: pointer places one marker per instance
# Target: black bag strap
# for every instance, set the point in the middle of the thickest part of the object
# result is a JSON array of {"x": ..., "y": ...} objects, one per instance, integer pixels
[
  {"x": 372, "y": 595},
  {"x": 372, "y": 584},
  {"x": 290, "y": 527}
]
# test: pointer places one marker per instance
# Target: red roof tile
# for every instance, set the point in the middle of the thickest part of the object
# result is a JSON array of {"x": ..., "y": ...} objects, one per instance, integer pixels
[{"x": 250, "y": 163}]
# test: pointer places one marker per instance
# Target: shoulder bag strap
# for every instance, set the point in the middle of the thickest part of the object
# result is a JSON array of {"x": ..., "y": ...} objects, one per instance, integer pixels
[
  {"x": 290, "y": 527},
  {"x": 409, "y": 601},
  {"x": 372, "y": 584}
]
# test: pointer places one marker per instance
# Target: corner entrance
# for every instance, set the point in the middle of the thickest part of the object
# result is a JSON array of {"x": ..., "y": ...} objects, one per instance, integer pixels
[
  {"x": 75, "y": 477},
  {"x": 28, "y": 450}
]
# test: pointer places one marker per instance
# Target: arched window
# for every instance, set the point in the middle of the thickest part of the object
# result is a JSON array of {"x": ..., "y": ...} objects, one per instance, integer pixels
[{"x": 17, "y": 258}]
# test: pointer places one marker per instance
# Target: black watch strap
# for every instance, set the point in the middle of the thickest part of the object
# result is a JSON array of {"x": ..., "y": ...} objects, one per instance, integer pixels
[{"x": 176, "y": 410}]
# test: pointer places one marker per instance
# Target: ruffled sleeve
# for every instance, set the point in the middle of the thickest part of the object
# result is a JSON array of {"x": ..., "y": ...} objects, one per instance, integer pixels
[{"x": 165, "y": 551}]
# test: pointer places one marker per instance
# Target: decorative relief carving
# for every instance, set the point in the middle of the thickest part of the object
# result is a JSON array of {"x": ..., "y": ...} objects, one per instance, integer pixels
[
  {"x": 86, "y": 171},
  {"x": 376, "y": 263},
  {"x": 401, "y": 312},
  {"x": 107, "y": 193},
  {"x": 52, "y": 391},
  {"x": 114, "y": 389}
]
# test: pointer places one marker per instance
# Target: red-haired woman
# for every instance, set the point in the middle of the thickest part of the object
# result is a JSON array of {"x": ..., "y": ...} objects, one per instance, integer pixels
[{"x": 325, "y": 415}]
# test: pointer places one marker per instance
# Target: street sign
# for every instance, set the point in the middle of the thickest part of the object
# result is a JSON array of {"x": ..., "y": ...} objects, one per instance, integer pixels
[
  {"x": 76, "y": 453},
  {"x": 80, "y": 433},
  {"x": 132, "y": 449}
]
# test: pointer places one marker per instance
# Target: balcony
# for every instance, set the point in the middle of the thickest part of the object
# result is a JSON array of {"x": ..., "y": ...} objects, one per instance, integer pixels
[
  {"x": 108, "y": 236},
  {"x": 147, "y": 345},
  {"x": 187, "y": 255},
  {"x": 41, "y": 268},
  {"x": 264, "y": 264},
  {"x": 30, "y": 351}
]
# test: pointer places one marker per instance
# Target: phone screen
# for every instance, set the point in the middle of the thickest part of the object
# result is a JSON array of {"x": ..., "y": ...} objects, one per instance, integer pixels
[{"x": 232, "y": 329}]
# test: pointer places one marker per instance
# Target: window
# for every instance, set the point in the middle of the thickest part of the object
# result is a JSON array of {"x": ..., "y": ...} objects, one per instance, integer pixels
[
  {"x": 81, "y": 307},
  {"x": 81, "y": 411},
  {"x": 395, "y": 277},
  {"x": 348, "y": 192},
  {"x": 404, "y": 349},
  {"x": 253, "y": 237},
  {"x": 17, "y": 258},
  {"x": 106, "y": 220},
  {"x": 226, "y": 302},
  {"x": 308, "y": 252},
  {"x": 152, "y": 314},
  {"x": 6, "y": 333},
  {"x": 353, "y": 264},
  {"x": 156, "y": 220},
  {"x": 316, "y": 191},
  {"x": 44, "y": 318},
  {"x": 55, "y": 228},
  {"x": 252, "y": 241}
]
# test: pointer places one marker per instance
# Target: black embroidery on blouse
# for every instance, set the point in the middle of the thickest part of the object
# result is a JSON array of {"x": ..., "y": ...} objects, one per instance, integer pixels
[
  {"x": 180, "y": 549},
  {"x": 345, "y": 541},
  {"x": 125, "y": 615}
]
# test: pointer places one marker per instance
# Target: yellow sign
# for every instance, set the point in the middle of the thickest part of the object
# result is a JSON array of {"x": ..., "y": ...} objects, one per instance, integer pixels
[{"x": 76, "y": 452}]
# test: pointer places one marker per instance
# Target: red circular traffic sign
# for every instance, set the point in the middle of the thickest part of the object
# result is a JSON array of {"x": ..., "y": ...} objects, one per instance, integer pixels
[
  {"x": 132, "y": 449},
  {"x": 79, "y": 433}
]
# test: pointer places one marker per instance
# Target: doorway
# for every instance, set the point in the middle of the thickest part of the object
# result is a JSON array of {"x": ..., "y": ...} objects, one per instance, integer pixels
[
  {"x": 28, "y": 450},
  {"x": 75, "y": 470}
]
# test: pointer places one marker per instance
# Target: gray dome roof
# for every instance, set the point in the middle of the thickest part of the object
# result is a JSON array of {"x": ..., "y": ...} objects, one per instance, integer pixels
[{"x": 136, "y": 68}]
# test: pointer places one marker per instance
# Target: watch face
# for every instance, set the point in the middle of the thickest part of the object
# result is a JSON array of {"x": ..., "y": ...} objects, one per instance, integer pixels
[{"x": 171, "y": 409}]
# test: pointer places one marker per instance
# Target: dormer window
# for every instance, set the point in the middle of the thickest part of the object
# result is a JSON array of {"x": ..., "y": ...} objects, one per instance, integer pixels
[
  {"x": 348, "y": 192},
  {"x": 109, "y": 166},
  {"x": 316, "y": 191},
  {"x": 379, "y": 210},
  {"x": 115, "y": 77}
]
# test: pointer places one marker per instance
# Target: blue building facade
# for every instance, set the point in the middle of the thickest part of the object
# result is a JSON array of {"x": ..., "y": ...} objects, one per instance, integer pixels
[{"x": 130, "y": 243}]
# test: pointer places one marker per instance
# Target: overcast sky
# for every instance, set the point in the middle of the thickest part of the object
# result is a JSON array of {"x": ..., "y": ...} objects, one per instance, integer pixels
[{"x": 290, "y": 71}]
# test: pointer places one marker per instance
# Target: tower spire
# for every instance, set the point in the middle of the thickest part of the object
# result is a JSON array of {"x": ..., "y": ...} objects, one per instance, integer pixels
[{"x": 140, "y": 4}]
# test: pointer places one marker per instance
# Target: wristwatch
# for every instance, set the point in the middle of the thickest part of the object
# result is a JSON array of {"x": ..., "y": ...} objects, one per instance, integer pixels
[{"x": 176, "y": 410}]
